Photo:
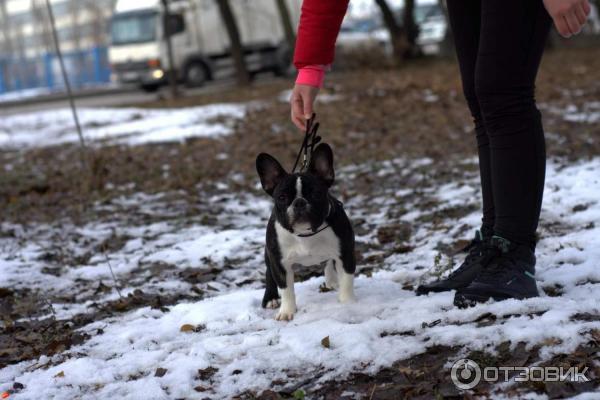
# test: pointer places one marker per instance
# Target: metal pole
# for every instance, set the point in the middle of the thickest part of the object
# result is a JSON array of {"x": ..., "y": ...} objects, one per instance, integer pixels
[
  {"x": 169, "y": 43},
  {"x": 67, "y": 84}
]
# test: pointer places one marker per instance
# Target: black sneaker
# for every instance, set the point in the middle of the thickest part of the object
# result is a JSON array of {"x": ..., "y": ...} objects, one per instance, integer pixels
[
  {"x": 510, "y": 275},
  {"x": 479, "y": 254}
]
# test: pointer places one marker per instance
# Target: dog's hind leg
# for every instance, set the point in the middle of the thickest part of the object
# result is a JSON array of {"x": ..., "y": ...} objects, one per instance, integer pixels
[
  {"x": 346, "y": 282},
  {"x": 331, "y": 278}
]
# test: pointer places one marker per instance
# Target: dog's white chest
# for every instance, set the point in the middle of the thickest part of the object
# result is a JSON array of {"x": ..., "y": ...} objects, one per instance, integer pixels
[{"x": 310, "y": 250}]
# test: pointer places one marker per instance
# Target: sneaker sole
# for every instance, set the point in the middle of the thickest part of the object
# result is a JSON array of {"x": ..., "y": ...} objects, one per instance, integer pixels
[
  {"x": 422, "y": 292},
  {"x": 471, "y": 300}
]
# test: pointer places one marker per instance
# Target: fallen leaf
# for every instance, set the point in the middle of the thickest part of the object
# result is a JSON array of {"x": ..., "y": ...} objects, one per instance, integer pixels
[
  {"x": 324, "y": 289},
  {"x": 192, "y": 328},
  {"x": 325, "y": 342},
  {"x": 61, "y": 374},
  {"x": 186, "y": 328},
  {"x": 160, "y": 372},
  {"x": 551, "y": 341}
]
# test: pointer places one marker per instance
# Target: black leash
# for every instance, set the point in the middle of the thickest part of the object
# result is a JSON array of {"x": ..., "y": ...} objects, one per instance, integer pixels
[
  {"x": 311, "y": 139},
  {"x": 308, "y": 144}
]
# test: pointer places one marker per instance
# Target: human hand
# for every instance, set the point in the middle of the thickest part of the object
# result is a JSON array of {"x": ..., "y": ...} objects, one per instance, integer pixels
[
  {"x": 301, "y": 102},
  {"x": 569, "y": 15}
]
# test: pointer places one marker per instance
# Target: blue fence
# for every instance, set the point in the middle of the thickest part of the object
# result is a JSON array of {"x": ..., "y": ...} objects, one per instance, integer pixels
[{"x": 84, "y": 68}]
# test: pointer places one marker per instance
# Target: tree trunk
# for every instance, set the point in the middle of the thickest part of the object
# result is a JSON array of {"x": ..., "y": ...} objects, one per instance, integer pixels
[
  {"x": 41, "y": 27},
  {"x": 237, "y": 51},
  {"x": 396, "y": 32},
  {"x": 6, "y": 28},
  {"x": 286, "y": 23},
  {"x": 74, "y": 7},
  {"x": 447, "y": 45},
  {"x": 166, "y": 29},
  {"x": 410, "y": 28}
]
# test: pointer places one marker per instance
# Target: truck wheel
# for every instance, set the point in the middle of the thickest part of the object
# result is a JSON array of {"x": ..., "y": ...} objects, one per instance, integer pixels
[
  {"x": 150, "y": 87},
  {"x": 196, "y": 74}
]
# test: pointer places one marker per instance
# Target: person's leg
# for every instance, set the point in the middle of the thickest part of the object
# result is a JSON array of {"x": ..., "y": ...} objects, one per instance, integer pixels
[
  {"x": 512, "y": 39},
  {"x": 465, "y": 17},
  {"x": 513, "y": 34},
  {"x": 465, "y": 21}
]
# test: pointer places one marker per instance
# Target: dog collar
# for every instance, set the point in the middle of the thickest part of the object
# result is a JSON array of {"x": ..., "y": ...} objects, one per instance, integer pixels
[
  {"x": 320, "y": 229},
  {"x": 313, "y": 233}
]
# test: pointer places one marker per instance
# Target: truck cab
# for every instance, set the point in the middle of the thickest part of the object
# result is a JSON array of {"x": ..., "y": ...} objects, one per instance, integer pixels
[{"x": 201, "y": 48}]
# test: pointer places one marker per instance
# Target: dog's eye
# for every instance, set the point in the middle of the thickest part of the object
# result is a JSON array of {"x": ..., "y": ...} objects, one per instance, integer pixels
[{"x": 282, "y": 197}]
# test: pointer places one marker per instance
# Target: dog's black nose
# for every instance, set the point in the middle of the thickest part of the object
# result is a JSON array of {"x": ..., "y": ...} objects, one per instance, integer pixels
[{"x": 300, "y": 203}]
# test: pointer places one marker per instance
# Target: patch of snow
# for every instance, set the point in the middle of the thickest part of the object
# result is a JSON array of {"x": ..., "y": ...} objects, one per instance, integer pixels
[
  {"x": 132, "y": 126},
  {"x": 429, "y": 96},
  {"x": 588, "y": 113},
  {"x": 23, "y": 94},
  {"x": 323, "y": 97}
]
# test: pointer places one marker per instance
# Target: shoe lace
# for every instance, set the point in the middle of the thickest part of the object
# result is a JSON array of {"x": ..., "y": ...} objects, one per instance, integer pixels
[
  {"x": 476, "y": 249},
  {"x": 502, "y": 265},
  {"x": 503, "y": 260}
]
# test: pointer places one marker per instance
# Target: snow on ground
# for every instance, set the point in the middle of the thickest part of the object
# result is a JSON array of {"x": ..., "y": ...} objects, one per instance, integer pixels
[
  {"x": 165, "y": 244},
  {"x": 131, "y": 126},
  {"x": 248, "y": 349},
  {"x": 588, "y": 113},
  {"x": 24, "y": 94},
  {"x": 324, "y": 97}
]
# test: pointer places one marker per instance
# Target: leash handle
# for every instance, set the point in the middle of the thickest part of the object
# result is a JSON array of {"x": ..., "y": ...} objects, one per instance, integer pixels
[{"x": 308, "y": 143}]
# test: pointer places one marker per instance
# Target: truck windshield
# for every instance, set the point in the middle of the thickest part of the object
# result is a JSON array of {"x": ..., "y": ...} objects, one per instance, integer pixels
[{"x": 133, "y": 28}]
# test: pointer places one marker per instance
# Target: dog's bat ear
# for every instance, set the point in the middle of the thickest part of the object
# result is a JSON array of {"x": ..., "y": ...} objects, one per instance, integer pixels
[
  {"x": 269, "y": 170},
  {"x": 321, "y": 164}
]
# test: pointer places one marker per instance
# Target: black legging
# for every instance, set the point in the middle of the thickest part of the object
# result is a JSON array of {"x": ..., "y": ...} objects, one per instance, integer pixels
[{"x": 499, "y": 45}]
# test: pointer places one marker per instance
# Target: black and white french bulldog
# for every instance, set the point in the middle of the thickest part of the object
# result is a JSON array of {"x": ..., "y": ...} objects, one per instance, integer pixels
[{"x": 307, "y": 226}]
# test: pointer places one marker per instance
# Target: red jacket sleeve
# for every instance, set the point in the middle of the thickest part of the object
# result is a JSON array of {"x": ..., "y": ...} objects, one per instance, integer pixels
[{"x": 319, "y": 26}]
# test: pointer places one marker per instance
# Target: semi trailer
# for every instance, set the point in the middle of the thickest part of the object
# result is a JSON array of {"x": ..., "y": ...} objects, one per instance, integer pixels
[{"x": 201, "y": 46}]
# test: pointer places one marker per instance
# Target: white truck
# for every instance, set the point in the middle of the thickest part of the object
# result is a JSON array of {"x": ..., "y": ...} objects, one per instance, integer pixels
[{"x": 201, "y": 50}]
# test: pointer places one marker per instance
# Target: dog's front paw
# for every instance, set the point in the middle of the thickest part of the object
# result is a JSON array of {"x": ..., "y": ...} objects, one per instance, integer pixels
[
  {"x": 285, "y": 314},
  {"x": 346, "y": 298},
  {"x": 273, "y": 304}
]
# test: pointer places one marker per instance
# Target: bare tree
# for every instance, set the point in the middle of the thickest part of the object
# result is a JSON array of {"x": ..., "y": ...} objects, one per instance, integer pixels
[
  {"x": 74, "y": 8},
  {"x": 411, "y": 30},
  {"x": 6, "y": 28},
  {"x": 394, "y": 28},
  {"x": 403, "y": 37},
  {"x": 78, "y": 64},
  {"x": 100, "y": 12},
  {"x": 41, "y": 25},
  {"x": 286, "y": 22},
  {"x": 237, "y": 50},
  {"x": 14, "y": 43},
  {"x": 447, "y": 45}
]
